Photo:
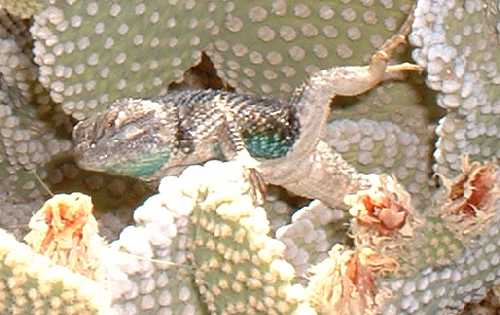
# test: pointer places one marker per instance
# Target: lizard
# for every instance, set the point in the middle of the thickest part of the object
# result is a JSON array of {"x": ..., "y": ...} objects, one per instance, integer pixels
[{"x": 280, "y": 139}]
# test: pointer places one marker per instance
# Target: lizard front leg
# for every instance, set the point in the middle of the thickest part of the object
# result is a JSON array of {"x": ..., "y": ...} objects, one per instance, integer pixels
[{"x": 237, "y": 144}]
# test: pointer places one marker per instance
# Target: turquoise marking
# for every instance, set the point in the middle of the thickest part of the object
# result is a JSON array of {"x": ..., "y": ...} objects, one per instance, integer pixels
[
  {"x": 143, "y": 166},
  {"x": 267, "y": 146}
]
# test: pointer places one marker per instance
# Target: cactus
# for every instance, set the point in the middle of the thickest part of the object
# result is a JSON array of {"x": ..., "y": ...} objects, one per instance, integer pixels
[
  {"x": 310, "y": 235},
  {"x": 201, "y": 245},
  {"x": 397, "y": 138},
  {"x": 462, "y": 66},
  {"x": 26, "y": 144},
  {"x": 32, "y": 284}
]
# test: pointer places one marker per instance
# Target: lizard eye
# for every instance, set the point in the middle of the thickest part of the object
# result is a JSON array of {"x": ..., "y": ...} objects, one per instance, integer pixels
[{"x": 129, "y": 132}]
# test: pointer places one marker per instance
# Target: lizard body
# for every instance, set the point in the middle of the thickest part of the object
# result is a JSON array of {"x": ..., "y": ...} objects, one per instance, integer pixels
[
  {"x": 156, "y": 137},
  {"x": 160, "y": 136}
]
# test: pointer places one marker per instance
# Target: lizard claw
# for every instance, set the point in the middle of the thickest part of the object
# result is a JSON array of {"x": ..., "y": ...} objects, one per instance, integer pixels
[
  {"x": 258, "y": 188},
  {"x": 257, "y": 185}
]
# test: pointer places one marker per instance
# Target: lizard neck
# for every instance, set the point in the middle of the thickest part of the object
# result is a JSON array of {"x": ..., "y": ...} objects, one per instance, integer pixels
[{"x": 312, "y": 104}]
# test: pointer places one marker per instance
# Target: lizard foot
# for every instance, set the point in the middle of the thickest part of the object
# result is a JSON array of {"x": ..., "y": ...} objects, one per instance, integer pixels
[
  {"x": 381, "y": 58},
  {"x": 257, "y": 185}
]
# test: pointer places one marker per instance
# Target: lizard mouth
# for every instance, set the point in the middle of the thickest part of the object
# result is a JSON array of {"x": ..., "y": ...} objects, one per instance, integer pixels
[
  {"x": 87, "y": 158},
  {"x": 84, "y": 142}
]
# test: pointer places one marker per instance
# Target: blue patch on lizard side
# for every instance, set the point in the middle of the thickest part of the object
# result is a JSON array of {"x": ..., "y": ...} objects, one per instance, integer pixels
[
  {"x": 267, "y": 146},
  {"x": 144, "y": 166}
]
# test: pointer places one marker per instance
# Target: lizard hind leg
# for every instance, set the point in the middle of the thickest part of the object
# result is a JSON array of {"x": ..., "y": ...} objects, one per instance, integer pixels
[
  {"x": 312, "y": 98},
  {"x": 380, "y": 58},
  {"x": 312, "y": 104}
]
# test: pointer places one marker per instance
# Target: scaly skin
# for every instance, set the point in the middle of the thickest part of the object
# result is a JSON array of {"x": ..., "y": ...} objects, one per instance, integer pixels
[{"x": 152, "y": 138}]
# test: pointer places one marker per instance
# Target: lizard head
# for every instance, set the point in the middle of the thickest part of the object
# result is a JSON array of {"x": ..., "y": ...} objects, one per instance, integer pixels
[{"x": 131, "y": 137}]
